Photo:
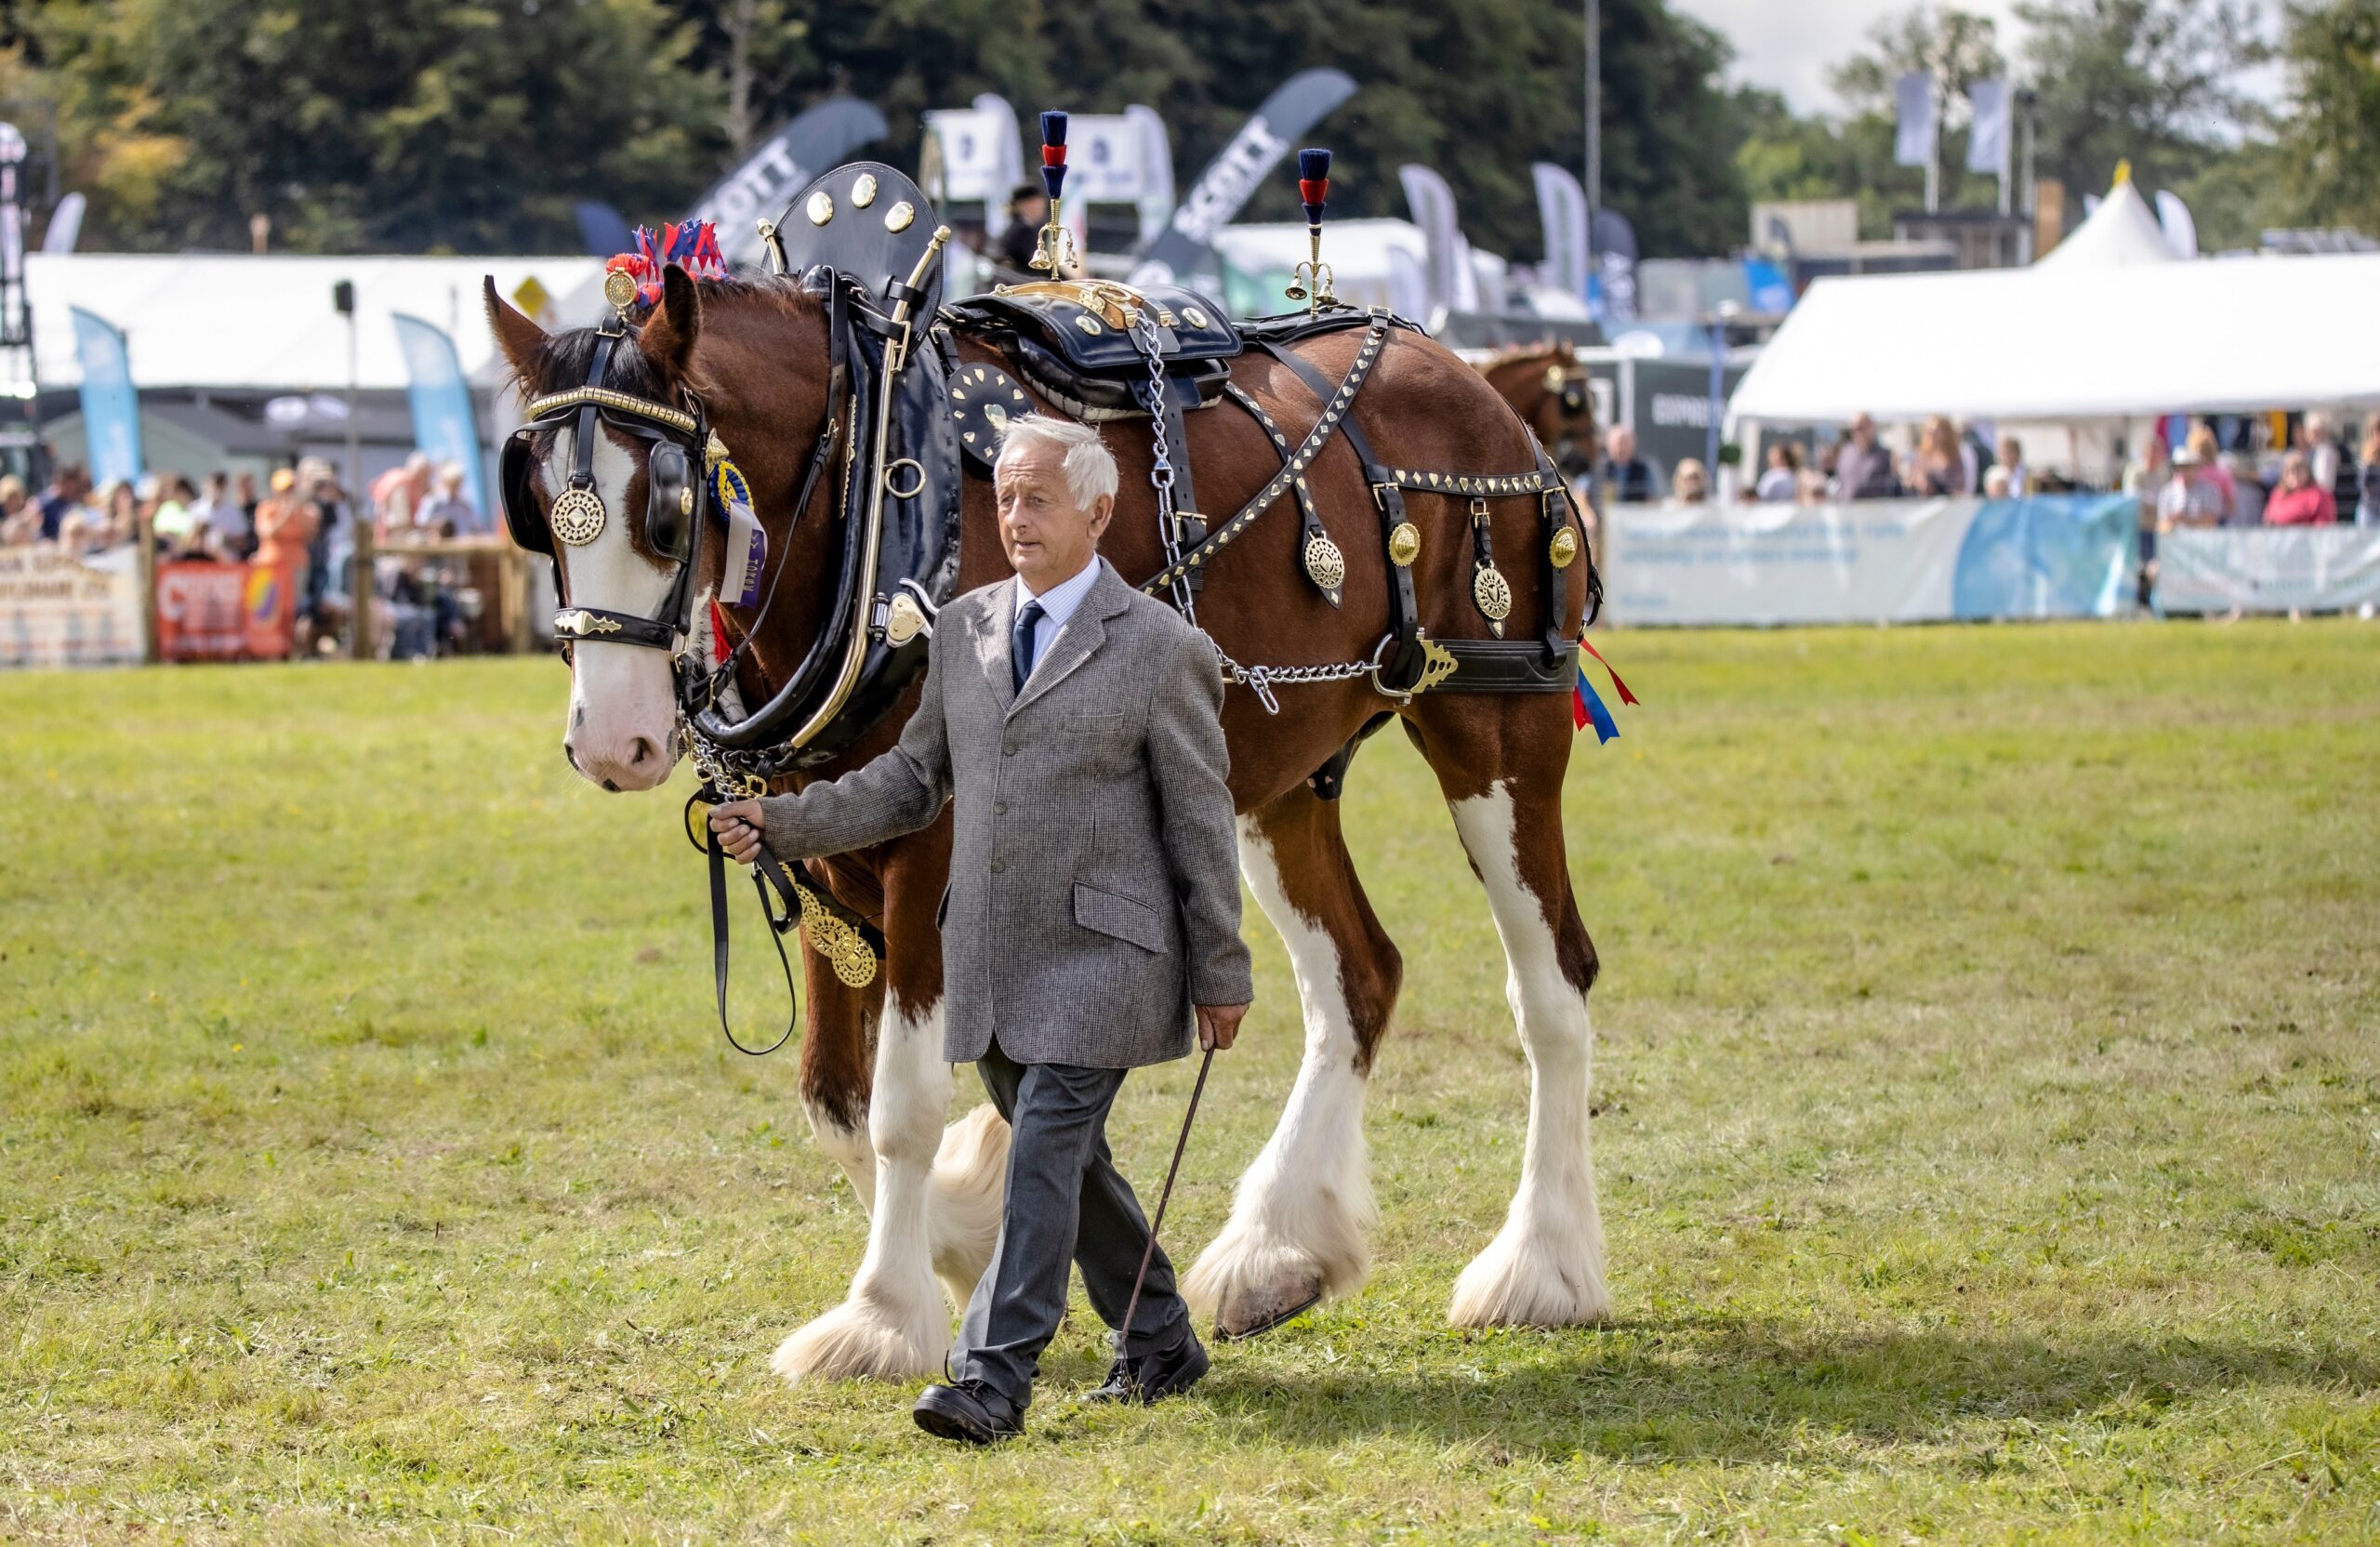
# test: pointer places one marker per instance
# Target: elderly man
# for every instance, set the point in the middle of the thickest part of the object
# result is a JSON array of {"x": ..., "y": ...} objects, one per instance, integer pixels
[
  {"x": 1093, "y": 902},
  {"x": 1626, "y": 477}
]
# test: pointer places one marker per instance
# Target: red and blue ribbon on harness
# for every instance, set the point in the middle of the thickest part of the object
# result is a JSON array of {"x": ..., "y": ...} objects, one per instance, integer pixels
[{"x": 1587, "y": 706}]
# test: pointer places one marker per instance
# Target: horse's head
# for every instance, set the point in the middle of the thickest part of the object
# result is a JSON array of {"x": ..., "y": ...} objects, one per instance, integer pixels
[
  {"x": 1549, "y": 392},
  {"x": 618, "y": 510}
]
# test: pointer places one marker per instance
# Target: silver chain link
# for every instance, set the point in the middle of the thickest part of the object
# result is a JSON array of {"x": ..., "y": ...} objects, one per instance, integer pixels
[
  {"x": 1263, "y": 680},
  {"x": 1152, "y": 348}
]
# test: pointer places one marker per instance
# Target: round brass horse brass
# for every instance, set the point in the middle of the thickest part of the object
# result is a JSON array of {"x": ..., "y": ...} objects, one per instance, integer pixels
[
  {"x": 577, "y": 517},
  {"x": 1405, "y": 543},
  {"x": 619, "y": 288},
  {"x": 821, "y": 207},
  {"x": 1564, "y": 548},
  {"x": 864, "y": 190},
  {"x": 1324, "y": 565},
  {"x": 897, "y": 219}
]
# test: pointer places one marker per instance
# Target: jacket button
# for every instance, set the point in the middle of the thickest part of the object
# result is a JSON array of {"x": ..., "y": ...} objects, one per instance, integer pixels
[
  {"x": 1009, "y": 750},
  {"x": 999, "y": 808},
  {"x": 999, "y": 866}
]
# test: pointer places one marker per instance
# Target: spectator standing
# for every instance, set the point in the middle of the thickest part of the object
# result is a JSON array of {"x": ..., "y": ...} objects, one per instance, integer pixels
[
  {"x": 169, "y": 515},
  {"x": 68, "y": 492},
  {"x": 285, "y": 533},
  {"x": 1778, "y": 484},
  {"x": 1864, "y": 470},
  {"x": 1626, "y": 477},
  {"x": 1995, "y": 482},
  {"x": 2012, "y": 457},
  {"x": 1028, "y": 210},
  {"x": 2248, "y": 491},
  {"x": 1690, "y": 484},
  {"x": 1940, "y": 469},
  {"x": 2191, "y": 496},
  {"x": 2367, "y": 476},
  {"x": 19, "y": 517},
  {"x": 399, "y": 496},
  {"x": 2329, "y": 463},
  {"x": 2202, "y": 447},
  {"x": 450, "y": 510},
  {"x": 2300, "y": 500}
]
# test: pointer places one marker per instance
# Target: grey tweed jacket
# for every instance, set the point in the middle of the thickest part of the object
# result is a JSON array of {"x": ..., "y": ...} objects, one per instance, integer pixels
[{"x": 1095, "y": 879}]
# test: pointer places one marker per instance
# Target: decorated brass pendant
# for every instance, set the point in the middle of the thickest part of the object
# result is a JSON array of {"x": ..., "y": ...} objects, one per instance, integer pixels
[
  {"x": 904, "y": 621},
  {"x": 580, "y": 624},
  {"x": 864, "y": 190},
  {"x": 844, "y": 949},
  {"x": 821, "y": 207},
  {"x": 1437, "y": 664},
  {"x": 1494, "y": 594},
  {"x": 619, "y": 289},
  {"x": 1324, "y": 565},
  {"x": 577, "y": 517},
  {"x": 1564, "y": 548},
  {"x": 1405, "y": 543}
]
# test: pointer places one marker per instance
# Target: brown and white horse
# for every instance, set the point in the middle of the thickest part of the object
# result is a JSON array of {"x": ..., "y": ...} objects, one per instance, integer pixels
[{"x": 873, "y": 1080}]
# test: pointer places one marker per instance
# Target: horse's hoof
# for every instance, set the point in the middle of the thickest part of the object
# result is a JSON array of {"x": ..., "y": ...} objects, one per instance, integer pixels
[
  {"x": 1257, "y": 1309},
  {"x": 863, "y": 1339},
  {"x": 1531, "y": 1280}
]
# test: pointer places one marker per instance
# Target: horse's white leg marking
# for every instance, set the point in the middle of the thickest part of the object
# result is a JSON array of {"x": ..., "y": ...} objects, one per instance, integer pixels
[
  {"x": 622, "y": 706},
  {"x": 849, "y": 1148},
  {"x": 1545, "y": 1267},
  {"x": 895, "y": 1324},
  {"x": 969, "y": 1182},
  {"x": 1297, "y": 1220}
]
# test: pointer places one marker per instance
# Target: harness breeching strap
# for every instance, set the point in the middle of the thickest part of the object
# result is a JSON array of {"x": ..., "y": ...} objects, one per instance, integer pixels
[{"x": 1404, "y": 666}]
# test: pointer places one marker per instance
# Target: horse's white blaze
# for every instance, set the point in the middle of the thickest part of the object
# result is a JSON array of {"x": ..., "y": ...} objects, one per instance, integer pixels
[
  {"x": 1298, "y": 1219},
  {"x": 623, "y": 712},
  {"x": 1545, "y": 1268},
  {"x": 894, "y": 1323}
]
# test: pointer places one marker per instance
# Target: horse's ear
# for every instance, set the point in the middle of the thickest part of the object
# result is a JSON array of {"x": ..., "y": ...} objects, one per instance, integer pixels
[
  {"x": 521, "y": 340},
  {"x": 668, "y": 337}
]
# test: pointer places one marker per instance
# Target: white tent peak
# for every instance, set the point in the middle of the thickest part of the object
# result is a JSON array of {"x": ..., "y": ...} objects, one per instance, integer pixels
[{"x": 2121, "y": 231}]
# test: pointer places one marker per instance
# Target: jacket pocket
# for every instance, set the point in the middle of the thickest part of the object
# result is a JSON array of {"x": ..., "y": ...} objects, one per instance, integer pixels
[
  {"x": 1094, "y": 724},
  {"x": 1120, "y": 917}
]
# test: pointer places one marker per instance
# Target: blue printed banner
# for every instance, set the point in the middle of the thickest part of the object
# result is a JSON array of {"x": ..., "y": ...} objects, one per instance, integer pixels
[
  {"x": 1911, "y": 560},
  {"x": 111, "y": 406},
  {"x": 443, "y": 422}
]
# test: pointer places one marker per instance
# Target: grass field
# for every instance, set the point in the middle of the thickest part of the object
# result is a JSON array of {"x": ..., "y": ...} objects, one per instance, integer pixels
[{"x": 1989, "y": 1134}]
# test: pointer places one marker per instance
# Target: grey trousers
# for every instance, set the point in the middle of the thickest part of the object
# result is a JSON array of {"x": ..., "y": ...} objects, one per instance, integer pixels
[{"x": 1066, "y": 1203}]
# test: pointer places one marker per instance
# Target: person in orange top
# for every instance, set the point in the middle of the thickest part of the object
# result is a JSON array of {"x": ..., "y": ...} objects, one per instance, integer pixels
[{"x": 285, "y": 525}]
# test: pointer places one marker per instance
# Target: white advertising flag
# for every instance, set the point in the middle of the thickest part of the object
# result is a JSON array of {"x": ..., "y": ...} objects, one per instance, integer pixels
[{"x": 1913, "y": 146}]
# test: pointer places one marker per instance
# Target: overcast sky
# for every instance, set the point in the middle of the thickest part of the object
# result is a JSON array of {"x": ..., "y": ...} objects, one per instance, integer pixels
[{"x": 1786, "y": 45}]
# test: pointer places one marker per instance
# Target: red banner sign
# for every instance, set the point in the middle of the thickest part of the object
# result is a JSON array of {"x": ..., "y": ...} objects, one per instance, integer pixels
[{"x": 224, "y": 612}]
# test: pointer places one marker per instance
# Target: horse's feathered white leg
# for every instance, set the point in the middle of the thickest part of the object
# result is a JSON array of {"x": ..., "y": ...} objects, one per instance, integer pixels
[
  {"x": 963, "y": 1205},
  {"x": 1545, "y": 1267},
  {"x": 895, "y": 1324},
  {"x": 1298, "y": 1219}
]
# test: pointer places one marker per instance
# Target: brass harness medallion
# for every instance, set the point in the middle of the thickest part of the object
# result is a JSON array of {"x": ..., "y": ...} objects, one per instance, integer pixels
[
  {"x": 1405, "y": 543},
  {"x": 577, "y": 517},
  {"x": 1564, "y": 548},
  {"x": 1492, "y": 591},
  {"x": 1324, "y": 565}
]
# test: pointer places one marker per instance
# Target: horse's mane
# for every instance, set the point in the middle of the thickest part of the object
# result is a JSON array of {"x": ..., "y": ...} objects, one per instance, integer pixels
[
  {"x": 1513, "y": 354},
  {"x": 569, "y": 352}
]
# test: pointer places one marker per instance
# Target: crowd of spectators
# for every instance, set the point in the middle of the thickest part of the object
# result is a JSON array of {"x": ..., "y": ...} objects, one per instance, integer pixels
[
  {"x": 2203, "y": 483},
  {"x": 302, "y": 521}
]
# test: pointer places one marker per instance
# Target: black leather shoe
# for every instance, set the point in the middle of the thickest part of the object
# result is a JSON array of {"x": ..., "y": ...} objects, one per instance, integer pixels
[
  {"x": 1152, "y": 1377},
  {"x": 970, "y": 1413}
]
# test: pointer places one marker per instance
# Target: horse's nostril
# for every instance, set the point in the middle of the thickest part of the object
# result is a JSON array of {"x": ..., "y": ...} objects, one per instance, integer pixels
[
  {"x": 570, "y": 755},
  {"x": 640, "y": 752}
]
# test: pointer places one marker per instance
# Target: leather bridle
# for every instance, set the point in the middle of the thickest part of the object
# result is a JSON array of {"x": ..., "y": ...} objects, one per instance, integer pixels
[{"x": 577, "y": 516}]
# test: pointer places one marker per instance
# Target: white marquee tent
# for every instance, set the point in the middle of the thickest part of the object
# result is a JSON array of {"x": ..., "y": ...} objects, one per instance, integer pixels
[
  {"x": 230, "y": 322},
  {"x": 2121, "y": 233},
  {"x": 2075, "y": 342}
]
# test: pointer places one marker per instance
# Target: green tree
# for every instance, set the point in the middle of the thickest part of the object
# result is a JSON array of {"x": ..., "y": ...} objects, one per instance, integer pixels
[
  {"x": 406, "y": 125},
  {"x": 2329, "y": 140},
  {"x": 2154, "y": 82}
]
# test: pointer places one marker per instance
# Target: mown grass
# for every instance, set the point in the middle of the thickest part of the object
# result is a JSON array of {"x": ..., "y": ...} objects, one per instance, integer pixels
[{"x": 1989, "y": 1134}]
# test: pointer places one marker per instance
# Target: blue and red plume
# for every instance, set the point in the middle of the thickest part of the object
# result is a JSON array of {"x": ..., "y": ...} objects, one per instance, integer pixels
[
  {"x": 1314, "y": 183},
  {"x": 1053, "y": 152}
]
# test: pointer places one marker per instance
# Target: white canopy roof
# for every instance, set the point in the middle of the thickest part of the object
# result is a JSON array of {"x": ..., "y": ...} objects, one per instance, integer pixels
[
  {"x": 233, "y": 321},
  {"x": 2121, "y": 231},
  {"x": 2218, "y": 336}
]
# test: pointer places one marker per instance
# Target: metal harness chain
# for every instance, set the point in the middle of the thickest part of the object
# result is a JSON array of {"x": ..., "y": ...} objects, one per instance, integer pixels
[
  {"x": 1152, "y": 396},
  {"x": 1263, "y": 680}
]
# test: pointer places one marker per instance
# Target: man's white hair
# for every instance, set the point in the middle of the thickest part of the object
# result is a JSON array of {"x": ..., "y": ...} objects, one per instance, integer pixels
[{"x": 1091, "y": 471}]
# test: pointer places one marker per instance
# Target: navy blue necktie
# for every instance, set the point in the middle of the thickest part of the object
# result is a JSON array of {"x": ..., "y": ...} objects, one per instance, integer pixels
[{"x": 1020, "y": 652}]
